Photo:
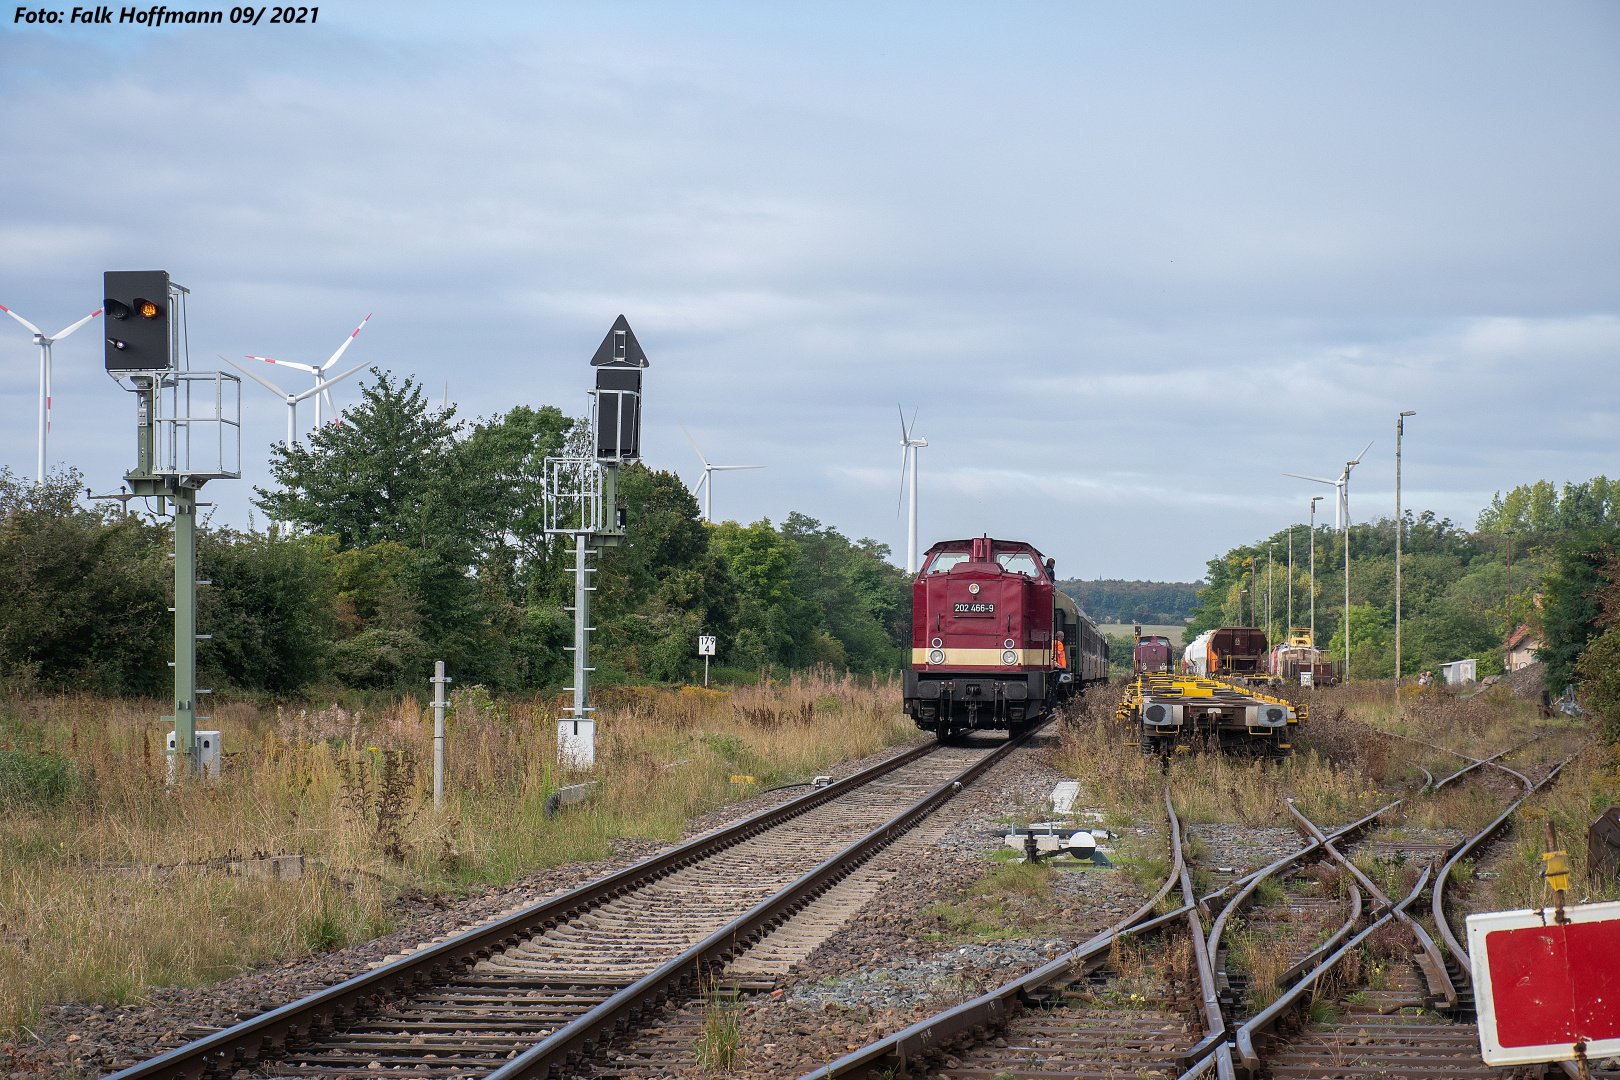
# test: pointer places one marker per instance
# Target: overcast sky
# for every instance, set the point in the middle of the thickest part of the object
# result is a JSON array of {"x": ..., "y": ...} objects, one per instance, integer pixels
[{"x": 1128, "y": 263}]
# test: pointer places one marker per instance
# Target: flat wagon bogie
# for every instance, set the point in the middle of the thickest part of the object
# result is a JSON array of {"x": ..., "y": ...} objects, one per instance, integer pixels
[{"x": 1167, "y": 708}]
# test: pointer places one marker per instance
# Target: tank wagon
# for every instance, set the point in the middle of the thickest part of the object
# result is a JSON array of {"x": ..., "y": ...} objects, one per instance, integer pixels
[
  {"x": 1238, "y": 653},
  {"x": 986, "y": 622},
  {"x": 1150, "y": 653}
]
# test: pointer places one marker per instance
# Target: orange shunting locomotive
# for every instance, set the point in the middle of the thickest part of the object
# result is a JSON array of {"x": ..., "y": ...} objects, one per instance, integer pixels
[{"x": 994, "y": 643}]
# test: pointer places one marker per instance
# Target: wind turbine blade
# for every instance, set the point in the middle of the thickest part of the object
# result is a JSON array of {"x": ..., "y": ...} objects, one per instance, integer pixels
[
  {"x": 904, "y": 434},
  {"x": 320, "y": 386},
  {"x": 1363, "y": 453},
  {"x": 326, "y": 395},
  {"x": 701, "y": 482},
  {"x": 76, "y": 325},
  {"x": 1302, "y": 476},
  {"x": 694, "y": 445},
  {"x": 286, "y": 363},
  {"x": 346, "y": 343},
  {"x": 266, "y": 383},
  {"x": 31, "y": 327},
  {"x": 729, "y": 468}
]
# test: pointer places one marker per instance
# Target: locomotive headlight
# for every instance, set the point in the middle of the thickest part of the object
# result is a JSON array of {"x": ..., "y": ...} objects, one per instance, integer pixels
[
  {"x": 936, "y": 643},
  {"x": 1009, "y": 644},
  {"x": 1009, "y": 657},
  {"x": 936, "y": 657},
  {"x": 973, "y": 587}
]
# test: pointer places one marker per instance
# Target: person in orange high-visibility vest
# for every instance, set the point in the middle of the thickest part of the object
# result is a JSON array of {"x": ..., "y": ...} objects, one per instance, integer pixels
[{"x": 1060, "y": 657}]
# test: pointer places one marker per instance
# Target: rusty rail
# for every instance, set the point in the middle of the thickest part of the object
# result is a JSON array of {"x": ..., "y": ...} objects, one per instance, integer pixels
[
  {"x": 1249, "y": 1059},
  {"x": 581, "y": 1038},
  {"x": 1490, "y": 831},
  {"x": 897, "y": 1052},
  {"x": 1437, "y": 977},
  {"x": 255, "y": 1039}
]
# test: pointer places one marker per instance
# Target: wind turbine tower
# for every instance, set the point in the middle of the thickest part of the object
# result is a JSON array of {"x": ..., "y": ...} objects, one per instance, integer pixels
[
  {"x": 909, "y": 446},
  {"x": 707, "y": 483},
  {"x": 44, "y": 344}
]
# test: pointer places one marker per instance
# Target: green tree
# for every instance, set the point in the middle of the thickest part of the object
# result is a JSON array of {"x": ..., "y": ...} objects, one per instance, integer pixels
[
  {"x": 500, "y": 481},
  {"x": 387, "y": 472},
  {"x": 1572, "y": 606},
  {"x": 85, "y": 606},
  {"x": 858, "y": 599},
  {"x": 268, "y": 609},
  {"x": 1370, "y": 633},
  {"x": 1599, "y": 664}
]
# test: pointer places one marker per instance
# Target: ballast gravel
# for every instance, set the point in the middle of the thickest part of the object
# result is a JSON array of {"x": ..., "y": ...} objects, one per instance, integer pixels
[{"x": 892, "y": 964}]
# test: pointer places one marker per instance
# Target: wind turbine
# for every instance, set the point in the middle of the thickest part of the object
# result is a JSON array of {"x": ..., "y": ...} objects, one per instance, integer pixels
[
  {"x": 707, "y": 469},
  {"x": 44, "y": 344},
  {"x": 292, "y": 400},
  {"x": 908, "y": 452},
  {"x": 1341, "y": 505},
  {"x": 320, "y": 383}
]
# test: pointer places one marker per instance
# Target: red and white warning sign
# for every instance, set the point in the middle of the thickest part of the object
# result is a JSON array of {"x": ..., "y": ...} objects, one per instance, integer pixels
[{"x": 1541, "y": 987}]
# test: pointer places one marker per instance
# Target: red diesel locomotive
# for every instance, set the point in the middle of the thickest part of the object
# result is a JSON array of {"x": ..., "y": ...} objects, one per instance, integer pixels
[{"x": 986, "y": 620}]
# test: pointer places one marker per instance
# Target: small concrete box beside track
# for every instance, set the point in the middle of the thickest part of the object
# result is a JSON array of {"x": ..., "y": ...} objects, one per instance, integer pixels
[{"x": 208, "y": 754}]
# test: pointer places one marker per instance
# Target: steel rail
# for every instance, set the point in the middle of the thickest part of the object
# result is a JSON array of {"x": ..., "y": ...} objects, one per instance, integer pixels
[
  {"x": 584, "y": 1036},
  {"x": 1438, "y": 979},
  {"x": 1468, "y": 848},
  {"x": 1032, "y": 989},
  {"x": 1250, "y": 1062},
  {"x": 913, "y": 1044},
  {"x": 1477, "y": 762},
  {"x": 253, "y": 1040},
  {"x": 1214, "y": 1022},
  {"x": 1249, "y": 1059}
]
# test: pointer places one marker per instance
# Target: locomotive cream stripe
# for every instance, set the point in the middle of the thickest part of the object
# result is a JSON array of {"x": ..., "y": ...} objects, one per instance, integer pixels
[{"x": 983, "y": 658}]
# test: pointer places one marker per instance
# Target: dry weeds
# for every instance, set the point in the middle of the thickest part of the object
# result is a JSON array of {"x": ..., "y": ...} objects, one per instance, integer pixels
[{"x": 82, "y": 787}]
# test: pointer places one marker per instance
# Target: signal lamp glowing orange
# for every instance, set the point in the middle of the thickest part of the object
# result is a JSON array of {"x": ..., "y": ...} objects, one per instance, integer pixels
[{"x": 146, "y": 309}]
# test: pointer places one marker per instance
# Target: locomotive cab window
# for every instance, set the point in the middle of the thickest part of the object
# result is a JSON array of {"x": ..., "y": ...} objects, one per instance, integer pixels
[
  {"x": 1019, "y": 562},
  {"x": 945, "y": 560}
]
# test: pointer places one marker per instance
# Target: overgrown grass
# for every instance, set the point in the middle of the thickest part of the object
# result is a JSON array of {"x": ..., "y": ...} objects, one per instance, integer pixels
[
  {"x": 82, "y": 788},
  {"x": 1011, "y": 900}
]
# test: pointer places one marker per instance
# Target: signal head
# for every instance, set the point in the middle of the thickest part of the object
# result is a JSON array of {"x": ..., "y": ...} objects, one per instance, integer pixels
[{"x": 142, "y": 342}]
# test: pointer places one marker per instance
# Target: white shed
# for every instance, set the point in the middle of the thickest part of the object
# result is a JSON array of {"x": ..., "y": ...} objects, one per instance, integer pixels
[{"x": 1459, "y": 671}]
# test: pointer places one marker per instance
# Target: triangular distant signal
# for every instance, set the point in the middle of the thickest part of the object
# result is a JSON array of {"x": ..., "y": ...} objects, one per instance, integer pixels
[{"x": 620, "y": 348}]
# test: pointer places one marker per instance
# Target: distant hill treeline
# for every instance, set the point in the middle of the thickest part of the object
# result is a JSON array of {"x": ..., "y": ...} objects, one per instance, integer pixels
[{"x": 1158, "y": 602}]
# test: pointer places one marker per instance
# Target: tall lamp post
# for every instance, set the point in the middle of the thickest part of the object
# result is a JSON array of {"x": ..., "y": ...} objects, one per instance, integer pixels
[
  {"x": 1344, "y": 497},
  {"x": 1269, "y": 548},
  {"x": 1313, "y": 570},
  {"x": 1400, "y": 527}
]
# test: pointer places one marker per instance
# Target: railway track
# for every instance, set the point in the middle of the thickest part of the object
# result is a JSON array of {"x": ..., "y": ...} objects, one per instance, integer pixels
[
  {"x": 1416, "y": 1016},
  {"x": 548, "y": 990},
  {"x": 1069, "y": 1019}
]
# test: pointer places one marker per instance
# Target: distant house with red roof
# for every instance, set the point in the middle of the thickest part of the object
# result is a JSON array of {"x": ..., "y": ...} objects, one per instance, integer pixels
[{"x": 1520, "y": 648}]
